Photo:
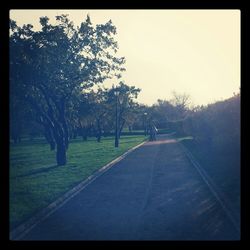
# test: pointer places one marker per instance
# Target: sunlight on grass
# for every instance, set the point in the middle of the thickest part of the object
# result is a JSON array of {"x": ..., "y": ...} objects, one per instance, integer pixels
[{"x": 36, "y": 181}]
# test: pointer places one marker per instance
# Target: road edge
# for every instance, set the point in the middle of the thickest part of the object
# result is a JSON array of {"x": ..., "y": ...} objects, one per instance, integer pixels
[{"x": 213, "y": 187}]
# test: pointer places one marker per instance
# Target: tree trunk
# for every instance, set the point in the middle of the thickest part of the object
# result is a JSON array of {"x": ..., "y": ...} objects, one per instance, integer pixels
[
  {"x": 98, "y": 138},
  {"x": 71, "y": 135},
  {"x": 61, "y": 154},
  {"x": 52, "y": 146},
  {"x": 84, "y": 133},
  {"x": 58, "y": 126},
  {"x": 62, "y": 121},
  {"x": 75, "y": 133},
  {"x": 121, "y": 128},
  {"x": 16, "y": 138},
  {"x": 49, "y": 137},
  {"x": 99, "y": 131}
]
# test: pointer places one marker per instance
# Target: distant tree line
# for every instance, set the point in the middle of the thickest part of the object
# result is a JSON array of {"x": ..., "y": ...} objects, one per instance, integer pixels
[{"x": 216, "y": 124}]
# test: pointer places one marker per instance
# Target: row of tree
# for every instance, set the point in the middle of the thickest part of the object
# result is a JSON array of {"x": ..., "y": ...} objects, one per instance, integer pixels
[
  {"x": 52, "y": 75},
  {"x": 52, "y": 72}
]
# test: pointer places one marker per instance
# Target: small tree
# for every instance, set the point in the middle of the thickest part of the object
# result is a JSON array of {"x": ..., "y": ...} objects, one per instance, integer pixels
[
  {"x": 97, "y": 108},
  {"x": 126, "y": 103},
  {"x": 181, "y": 102}
]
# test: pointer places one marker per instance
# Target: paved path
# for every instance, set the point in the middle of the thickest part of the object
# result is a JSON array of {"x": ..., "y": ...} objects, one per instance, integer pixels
[{"x": 155, "y": 193}]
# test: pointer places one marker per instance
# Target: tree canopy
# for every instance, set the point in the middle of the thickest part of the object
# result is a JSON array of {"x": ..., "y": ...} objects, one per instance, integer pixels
[{"x": 51, "y": 67}]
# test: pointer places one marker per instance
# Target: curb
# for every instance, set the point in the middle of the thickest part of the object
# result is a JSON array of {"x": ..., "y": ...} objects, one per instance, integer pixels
[
  {"x": 213, "y": 188},
  {"x": 25, "y": 227}
]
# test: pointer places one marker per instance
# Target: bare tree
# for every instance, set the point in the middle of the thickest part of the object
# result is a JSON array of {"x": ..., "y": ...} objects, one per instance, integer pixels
[{"x": 182, "y": 103}]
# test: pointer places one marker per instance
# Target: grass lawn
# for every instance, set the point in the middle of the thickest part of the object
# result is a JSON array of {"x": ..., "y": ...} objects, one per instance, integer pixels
[{"x": 36, "y": 181}]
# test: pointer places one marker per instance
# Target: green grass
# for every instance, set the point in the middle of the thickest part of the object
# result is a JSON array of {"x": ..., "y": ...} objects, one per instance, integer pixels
[{"x": 36, "y": 181}]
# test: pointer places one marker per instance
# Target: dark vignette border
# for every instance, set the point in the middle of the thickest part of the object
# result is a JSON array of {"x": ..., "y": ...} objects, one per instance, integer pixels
[{"x": 4, "y": 107}]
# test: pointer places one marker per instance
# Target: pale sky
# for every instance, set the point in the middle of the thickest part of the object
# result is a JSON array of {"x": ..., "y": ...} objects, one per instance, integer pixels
[{"x": 196, "y": 52}]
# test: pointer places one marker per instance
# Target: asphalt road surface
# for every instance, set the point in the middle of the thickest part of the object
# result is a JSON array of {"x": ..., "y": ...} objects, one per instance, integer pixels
[{"x": 154, "y": 193}]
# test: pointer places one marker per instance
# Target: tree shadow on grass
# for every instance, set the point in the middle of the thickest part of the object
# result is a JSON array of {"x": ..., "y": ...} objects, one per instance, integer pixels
[{"x": 38, "y": 171}]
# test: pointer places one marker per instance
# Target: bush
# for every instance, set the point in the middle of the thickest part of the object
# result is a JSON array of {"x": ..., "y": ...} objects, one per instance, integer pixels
[{"x": 216, "y": 145}]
